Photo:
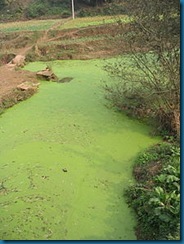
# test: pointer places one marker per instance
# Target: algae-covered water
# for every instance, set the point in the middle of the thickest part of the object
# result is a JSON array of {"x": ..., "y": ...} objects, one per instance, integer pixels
[{"x": 65, "y": 160}]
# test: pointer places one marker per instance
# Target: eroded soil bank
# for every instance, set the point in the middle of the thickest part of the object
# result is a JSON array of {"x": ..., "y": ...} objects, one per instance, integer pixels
[
  {"x": 66, "y": 159},
  {"x": 11, "y": 79}
]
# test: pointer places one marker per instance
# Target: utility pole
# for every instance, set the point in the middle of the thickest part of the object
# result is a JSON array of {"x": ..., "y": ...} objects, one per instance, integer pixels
[{"x": 73, "y": 10}]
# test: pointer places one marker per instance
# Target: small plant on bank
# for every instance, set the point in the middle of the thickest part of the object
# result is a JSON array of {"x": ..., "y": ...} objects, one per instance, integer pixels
[{"x": 156, "y": 195}]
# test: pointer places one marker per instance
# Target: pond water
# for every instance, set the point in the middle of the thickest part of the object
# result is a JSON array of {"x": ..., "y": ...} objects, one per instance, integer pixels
[{"x": 65, "y": 160}]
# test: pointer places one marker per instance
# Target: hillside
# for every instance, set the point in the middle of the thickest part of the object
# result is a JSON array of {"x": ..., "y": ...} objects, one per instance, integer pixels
[
  {"x": 82, "y": 38},
  {"x": 44, "y": 9}
]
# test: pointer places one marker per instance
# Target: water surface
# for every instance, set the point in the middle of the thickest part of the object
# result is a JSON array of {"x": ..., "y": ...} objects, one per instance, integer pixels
[{"x": 65, "y": 159}]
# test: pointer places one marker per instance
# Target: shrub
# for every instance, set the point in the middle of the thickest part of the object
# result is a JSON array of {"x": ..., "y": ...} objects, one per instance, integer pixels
[
  {"x": 151, "y": 87},
  {"x": 156, "y": 195},
  {"x": 36, "y": 9}
]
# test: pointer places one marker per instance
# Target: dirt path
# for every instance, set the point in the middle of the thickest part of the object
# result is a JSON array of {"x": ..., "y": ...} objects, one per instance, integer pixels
[
  {"x": 10, "y": 77},
  {"x": 44, "y": 38}
]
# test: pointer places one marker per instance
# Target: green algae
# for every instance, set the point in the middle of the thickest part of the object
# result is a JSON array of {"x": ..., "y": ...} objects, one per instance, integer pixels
[{"x": 66, "y": 159}]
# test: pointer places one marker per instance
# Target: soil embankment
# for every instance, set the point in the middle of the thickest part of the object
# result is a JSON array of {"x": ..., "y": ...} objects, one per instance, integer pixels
[
  {"x": 11, "y": 86},
  {"x": 54, "y": 43}
]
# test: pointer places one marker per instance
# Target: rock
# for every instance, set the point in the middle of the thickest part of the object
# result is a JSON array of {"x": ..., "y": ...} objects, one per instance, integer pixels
[
  {"x": 18, "y": 61},
  {"x": 47, "y": 74},
  {"x": 27, "y": 86}
]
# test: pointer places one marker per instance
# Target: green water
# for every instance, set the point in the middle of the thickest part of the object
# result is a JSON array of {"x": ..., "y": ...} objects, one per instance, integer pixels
[{"x": 65, "y": 159}]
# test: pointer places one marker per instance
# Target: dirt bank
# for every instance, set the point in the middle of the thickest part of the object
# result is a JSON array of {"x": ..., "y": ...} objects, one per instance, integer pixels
[{"x": 10, "y": 91}]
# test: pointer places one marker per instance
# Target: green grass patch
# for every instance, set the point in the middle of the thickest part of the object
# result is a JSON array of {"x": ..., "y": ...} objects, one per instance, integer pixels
[
  {"x": 31, "y": 25},
  {"x": 73, "y": 41},
  {"x": 94, "y": 21},
  {"x": 41, "y": 25}
]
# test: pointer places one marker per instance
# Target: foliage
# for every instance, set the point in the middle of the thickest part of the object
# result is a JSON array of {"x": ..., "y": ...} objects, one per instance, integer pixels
[
  {"x": 112, "y": 8},
  {"x": 37, "y": 9},
  {"x": 2, "y": 4},
  {"x": 94, "y": 2},
  {"x": 20, "y": 9},
  {"x": 152, "y": 87},
  {"x": 47, "y": 8},
  {"x": 156, "y": 196}
]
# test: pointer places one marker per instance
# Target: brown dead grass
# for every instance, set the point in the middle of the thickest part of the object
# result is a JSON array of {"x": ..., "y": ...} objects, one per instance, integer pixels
[{"x": 143, "y": 174}]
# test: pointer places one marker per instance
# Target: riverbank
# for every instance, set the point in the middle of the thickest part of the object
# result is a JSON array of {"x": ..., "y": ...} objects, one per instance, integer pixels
[{"x": 15, "y": 86}]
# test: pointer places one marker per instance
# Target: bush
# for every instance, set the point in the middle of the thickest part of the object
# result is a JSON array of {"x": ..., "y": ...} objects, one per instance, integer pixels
[
  {"x": 47, "y": 8},
  {"x": 107, "y": 9},
  {"x": 146, "y": 89},
  {"x": 151, "y": 87},
  {"x": 36, "y": 9},
  {"x": 156, "y": 196}
]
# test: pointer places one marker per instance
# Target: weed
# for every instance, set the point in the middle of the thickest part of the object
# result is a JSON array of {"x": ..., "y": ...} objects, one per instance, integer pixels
[{"x": 156, "y": 196}]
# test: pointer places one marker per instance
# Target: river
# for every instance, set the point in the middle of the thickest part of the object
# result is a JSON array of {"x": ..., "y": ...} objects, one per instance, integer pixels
[{"x": 65, "y": 160}]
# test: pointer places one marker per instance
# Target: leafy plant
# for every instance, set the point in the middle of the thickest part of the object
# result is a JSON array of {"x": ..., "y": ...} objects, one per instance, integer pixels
[{"x": 156, "y": 197}]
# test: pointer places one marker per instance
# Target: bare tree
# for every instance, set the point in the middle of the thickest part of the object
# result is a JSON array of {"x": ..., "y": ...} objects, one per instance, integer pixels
[{"x": 153, "y": 86}]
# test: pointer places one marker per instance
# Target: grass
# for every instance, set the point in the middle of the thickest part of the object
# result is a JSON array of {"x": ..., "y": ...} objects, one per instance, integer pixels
[
  {"x": 73, "y": 41},
  {"x": 30, "y": 25},
  {"x": 41, "y": 25},
  {"x": 91, "y": 21}
]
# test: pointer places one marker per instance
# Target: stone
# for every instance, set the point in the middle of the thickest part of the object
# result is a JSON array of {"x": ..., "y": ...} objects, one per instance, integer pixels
[
  {"x": 47, "y": 74},
  {"x": 18, "y": 61},
  {"x": 27, "y": 86}
]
